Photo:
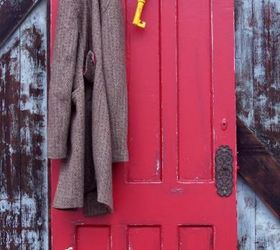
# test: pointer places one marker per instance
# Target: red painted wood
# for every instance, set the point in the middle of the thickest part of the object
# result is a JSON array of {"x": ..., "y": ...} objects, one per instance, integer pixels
[
  {"x": 151, "y": 234},
  {"x": 199, "y": 236},
  {"x": 180, "y": 88},
  {"x": 88, "y": 236},
  {"x": 194, "y": 41}
]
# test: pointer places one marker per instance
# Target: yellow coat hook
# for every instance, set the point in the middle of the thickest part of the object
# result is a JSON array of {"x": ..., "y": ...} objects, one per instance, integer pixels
[{"x": 137, "y": 17}]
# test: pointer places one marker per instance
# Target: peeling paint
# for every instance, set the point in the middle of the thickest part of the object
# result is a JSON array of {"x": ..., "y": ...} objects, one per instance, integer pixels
[
  {"x": 69, "y": 248},
  {"x": 258, "y": 105},
  {"x": 177, "y": 190},
  {"x": 23, "y": 162},
  {"x": 158, "y": 167},
  {"x": 11, "y": 13}
]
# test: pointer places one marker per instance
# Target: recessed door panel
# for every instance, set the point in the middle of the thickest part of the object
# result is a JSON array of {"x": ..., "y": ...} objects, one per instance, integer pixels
[
  {"x": 194, "y": 89},
  {"x": 144, "y": 88}
]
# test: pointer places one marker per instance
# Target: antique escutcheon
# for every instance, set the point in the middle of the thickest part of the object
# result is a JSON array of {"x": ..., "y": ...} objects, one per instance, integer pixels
[{"x": 224, "y": 170}]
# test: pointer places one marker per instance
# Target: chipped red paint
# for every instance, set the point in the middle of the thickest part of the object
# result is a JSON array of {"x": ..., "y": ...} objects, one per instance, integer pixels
[
  {"x": 36, "y": 37},
  {"x": 23, "y": 163},
  {"x": 11, "y": 14},
  {"x": 9, "y": 147},
  {"x": 261, "y": 66},
  {"x": 258, "y": 94}
]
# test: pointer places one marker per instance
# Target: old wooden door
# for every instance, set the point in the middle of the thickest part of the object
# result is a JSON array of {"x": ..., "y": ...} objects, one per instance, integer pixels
[{"x": 181, "y": 111}]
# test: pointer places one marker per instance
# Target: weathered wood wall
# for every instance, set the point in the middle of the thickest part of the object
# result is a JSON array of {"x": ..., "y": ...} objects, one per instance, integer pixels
[
  {"x": 258, "y": 95},
  {"x": 23, "y": 163},
  {"x": 11, "y": 13}
]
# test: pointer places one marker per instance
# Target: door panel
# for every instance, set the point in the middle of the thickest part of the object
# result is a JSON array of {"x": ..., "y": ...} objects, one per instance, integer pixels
[
  {"x": 88, "y": 236},
  {"x": 151, "y": 235},
  {"x": 199, "y": 236},
  {"x": 194, "y": 90},
  {"x": 181, "y": 109},
  {"x": 143, "y": 71}
]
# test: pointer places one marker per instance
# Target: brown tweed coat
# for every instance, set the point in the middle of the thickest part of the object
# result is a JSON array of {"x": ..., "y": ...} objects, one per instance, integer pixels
[{"x": 87, "y": 107}]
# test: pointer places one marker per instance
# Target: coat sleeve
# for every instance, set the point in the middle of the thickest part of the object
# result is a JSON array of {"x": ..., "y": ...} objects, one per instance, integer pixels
[
  {"x": 62, "y": 77},
  {"x": 113, "y": 47}
]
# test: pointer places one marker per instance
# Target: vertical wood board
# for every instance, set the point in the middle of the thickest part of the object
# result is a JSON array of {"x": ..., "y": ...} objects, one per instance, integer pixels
[
  {"x": 258, "y": 93},
  {"x": 11, "y": 14},
  {"x": 23, "y": 162}
]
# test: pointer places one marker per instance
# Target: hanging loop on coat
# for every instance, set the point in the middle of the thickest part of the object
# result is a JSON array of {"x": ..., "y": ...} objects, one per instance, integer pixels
[{"x": 138, "y": 13}]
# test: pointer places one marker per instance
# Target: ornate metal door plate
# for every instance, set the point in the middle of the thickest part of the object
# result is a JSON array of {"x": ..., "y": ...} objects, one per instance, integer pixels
[{"x": 224, "y": 170}]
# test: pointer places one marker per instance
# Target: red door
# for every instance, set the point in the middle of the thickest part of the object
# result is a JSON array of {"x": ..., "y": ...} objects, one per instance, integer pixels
[{"x": 181, "y": 111}]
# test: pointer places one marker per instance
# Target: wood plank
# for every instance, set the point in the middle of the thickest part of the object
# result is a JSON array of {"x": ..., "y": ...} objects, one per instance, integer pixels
[
  {"x": 244, "y": 61},
  {"x": 258, "y": 167},
  {"x": 266, "y": 73},
  {"x": 23, "y": 167},
  {"x": 33, "y": 100},
  {"x": 267, "y": 228},
  {"x": 267, "y": 104},
  {"x": 244, "y": 87},
  {"x": 257, "y": 84},
  {"x": 12, "y": 14},
  {"x": 10, "y": 216},
  {"x": 246, "y": 200}
]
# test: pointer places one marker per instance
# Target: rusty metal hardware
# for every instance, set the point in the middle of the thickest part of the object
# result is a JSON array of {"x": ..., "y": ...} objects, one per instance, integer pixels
[
  {"x": 224, "y": 170},
  {"x": 138, "y": 13}
]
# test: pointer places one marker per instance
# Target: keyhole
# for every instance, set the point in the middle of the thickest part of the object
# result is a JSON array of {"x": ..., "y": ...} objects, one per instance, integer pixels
[{"x": 224, "y": 124}]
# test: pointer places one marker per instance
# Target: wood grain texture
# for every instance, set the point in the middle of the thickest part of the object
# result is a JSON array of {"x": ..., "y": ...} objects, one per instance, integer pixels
[
  {"x": 12, "y": 14},
  {"x": 258, "y": 94},
  {"x": 246, "y": 200},
  {"x": 10, "y": 216},
  {"x": 23, "y": 163},
  {"x": 258, "y": 167}
]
